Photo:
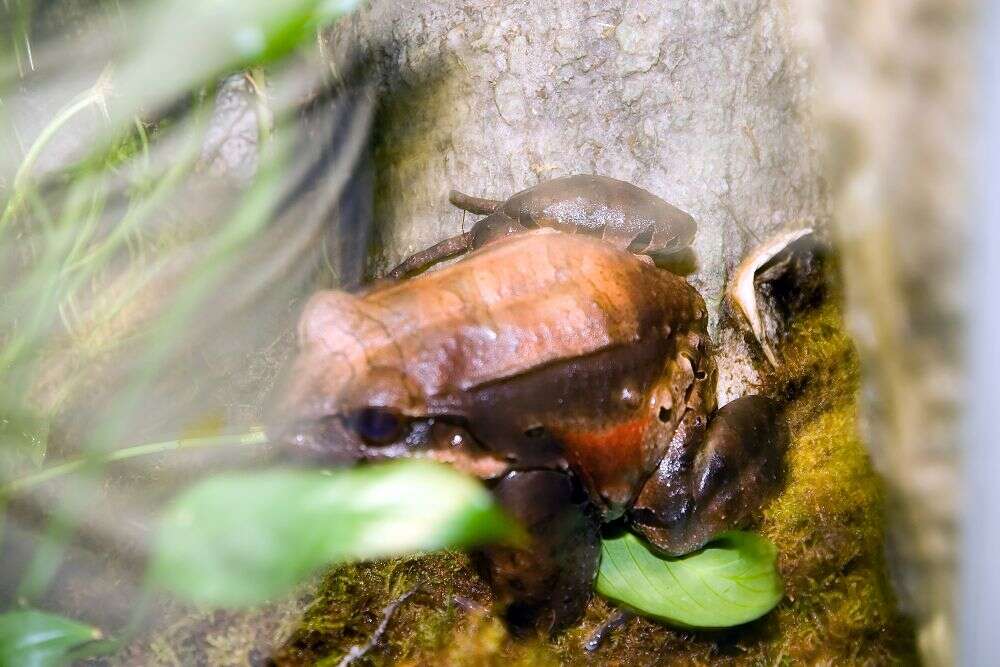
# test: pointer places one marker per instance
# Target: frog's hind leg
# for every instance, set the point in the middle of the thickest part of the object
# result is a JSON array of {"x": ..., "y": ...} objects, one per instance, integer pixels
[
  {"x": 421, "y": 261},
  {"x": 545, "y": 586},
  {"x": 722, "y": 485},
  {"x": 493, "y": 226},
  {"x": 486, "y": 230},
  {"x": 476, "y": 205}
]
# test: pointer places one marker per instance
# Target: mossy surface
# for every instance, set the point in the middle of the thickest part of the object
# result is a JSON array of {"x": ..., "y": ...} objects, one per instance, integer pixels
[{"x": 827, "y": 524}]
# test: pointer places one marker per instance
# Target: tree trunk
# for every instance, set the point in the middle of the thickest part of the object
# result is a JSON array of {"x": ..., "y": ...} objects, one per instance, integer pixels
[{"x": 703, "y": 104}]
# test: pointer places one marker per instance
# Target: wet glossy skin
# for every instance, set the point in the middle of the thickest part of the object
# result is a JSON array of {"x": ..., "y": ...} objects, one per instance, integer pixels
[
  {"x": 619, "y": 213},
  {"x": 573, "y": 376},
  {"x": 539, "y": 331}
]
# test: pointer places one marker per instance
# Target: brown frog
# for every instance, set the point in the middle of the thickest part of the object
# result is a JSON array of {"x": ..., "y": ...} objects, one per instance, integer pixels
[{"x": 557, "y": 363}]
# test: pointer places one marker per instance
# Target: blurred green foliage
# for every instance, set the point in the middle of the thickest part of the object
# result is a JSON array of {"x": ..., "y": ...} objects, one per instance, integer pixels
[
  {"x": 237, "y": 540},
  {"x": 84, "y": 232},
  {"x": 31, "y": 638}
]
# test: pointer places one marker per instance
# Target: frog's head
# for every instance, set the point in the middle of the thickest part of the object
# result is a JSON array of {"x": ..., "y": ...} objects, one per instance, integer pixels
[{"x": 350, "y": 396}]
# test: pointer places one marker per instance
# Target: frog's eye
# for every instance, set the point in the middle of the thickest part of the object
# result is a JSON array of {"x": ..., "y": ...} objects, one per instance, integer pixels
[{"x": 377, "y": 426}]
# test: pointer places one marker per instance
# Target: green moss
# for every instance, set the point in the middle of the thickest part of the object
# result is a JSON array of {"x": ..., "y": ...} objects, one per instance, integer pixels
[
  {"x": 828, "y": 525},
  {"x": 185, "y": 637}
]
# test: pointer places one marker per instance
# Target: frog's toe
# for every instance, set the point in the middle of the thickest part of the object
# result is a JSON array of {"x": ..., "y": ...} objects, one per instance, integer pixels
[
  {"x": 740, "y": 466},
  {"x": 765, "y": 263}
]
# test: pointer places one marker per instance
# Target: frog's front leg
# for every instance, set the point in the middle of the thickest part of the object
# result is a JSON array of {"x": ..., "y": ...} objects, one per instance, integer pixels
[
  {"x": 546, "y": 585},
  {"x": 704, "y": 491}
]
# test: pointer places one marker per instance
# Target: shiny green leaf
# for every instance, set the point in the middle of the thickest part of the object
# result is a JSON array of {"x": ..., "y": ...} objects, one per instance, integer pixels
[
  {"x": 236, "y": 540},
  {"x": 731, "y": 581},
  {"x": 30, "y": 638}
]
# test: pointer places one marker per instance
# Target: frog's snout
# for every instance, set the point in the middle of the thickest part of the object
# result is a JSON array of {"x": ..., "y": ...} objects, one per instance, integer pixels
[
  {"x": 298, "y": 435},
  {"x": 312, "y": 441}
]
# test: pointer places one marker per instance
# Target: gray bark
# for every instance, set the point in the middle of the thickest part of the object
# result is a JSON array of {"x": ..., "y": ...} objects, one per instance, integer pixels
[{"x": 703, "y": 104}]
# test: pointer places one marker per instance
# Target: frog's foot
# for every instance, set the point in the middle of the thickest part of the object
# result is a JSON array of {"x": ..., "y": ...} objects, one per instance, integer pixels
[
  {"x": 765, "y": 263},
  {"x": 739, "y": 467},
  {"x": 468, "y": 605},
  {"x": 547, "y": 585}
]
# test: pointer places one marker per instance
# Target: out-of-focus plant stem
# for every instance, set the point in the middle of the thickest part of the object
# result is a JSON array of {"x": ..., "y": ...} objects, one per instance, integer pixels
[
  {"x": 254, "y": 437},
  {"x": 97, "y": 96}
]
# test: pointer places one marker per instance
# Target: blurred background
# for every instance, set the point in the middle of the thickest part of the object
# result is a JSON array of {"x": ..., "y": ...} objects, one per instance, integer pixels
[{"x": 176, "y": 178}]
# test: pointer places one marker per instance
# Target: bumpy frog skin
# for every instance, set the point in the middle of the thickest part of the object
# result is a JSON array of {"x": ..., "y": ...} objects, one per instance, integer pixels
[{"x": 568, "y": 372}]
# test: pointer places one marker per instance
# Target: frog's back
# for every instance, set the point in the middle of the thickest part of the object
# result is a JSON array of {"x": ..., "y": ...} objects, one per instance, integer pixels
[{"x": 516, "y": 305}]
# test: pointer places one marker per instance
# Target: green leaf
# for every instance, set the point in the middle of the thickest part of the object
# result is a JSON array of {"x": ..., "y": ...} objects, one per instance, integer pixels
[
  {"x": 236, "y": 540},
  {"x": 30, "y": 638},
  {"x": 731, "y": 581}
]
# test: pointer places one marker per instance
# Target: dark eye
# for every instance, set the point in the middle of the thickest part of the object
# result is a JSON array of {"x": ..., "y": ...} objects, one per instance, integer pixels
[{"x": 377, "y": 426}]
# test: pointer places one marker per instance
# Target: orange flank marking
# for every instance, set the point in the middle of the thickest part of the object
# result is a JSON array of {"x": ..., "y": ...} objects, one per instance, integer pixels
[{"x": 610, "y": 457}]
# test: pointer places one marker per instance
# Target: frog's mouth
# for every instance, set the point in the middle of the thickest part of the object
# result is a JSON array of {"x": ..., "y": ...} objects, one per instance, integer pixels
[
  {"x": 484, "y": 466},
  {"x": 334, "y": 440},
  {"x": 324, "y": 441}
]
